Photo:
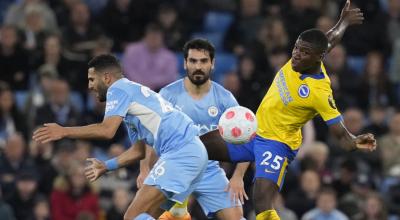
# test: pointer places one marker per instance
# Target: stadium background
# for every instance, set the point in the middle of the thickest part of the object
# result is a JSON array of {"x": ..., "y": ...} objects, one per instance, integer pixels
[{"x": 46, "y": 44}]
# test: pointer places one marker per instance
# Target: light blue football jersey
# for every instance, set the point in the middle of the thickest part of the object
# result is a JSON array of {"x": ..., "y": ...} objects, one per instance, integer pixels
[
  {"x": 149, "y": 117},
  {"x": 205, "y": 112}
]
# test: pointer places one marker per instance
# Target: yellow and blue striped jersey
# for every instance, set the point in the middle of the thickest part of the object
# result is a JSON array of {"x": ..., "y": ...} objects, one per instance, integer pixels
[{"x": 291, "y": 101}]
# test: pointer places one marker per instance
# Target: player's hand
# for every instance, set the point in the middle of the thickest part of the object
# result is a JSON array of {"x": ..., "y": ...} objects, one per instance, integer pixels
[
  {"x": 366, "y": 141},
  {"x": 351, "y": 15},
  {"x": 49, "y": 132},
  {"x": 95, "y": 169},
  {"x": 236, "y": 190},
  {"x": 140, "y": 179}
]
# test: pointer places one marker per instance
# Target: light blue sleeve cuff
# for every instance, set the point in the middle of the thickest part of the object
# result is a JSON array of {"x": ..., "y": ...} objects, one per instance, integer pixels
[
  {"x": 334, "y": 120},
  {"x": 112, "y": 164}
]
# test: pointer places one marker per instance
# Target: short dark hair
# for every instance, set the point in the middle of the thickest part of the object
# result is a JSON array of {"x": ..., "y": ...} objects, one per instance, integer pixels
[
  {"x": 199, "y": 44},
  {"x": 103, "y": 62},
  {"x": 316, "y": 37}
]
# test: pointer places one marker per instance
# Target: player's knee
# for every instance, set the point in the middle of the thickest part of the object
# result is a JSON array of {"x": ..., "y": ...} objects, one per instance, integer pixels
[{"x": 234, "y": 213}]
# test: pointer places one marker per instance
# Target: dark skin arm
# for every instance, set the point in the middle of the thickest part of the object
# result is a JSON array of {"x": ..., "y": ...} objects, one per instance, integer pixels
[
  {"x": 348, "y": 17},
  {"x": 351, "y": 142}
]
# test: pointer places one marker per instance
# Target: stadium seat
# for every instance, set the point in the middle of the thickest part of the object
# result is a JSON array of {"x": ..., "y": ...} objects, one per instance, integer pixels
[
  {"x": 217, "y": 21},
  {"x": 20, "y": 98},
  {"x": 356, "y": 63}
]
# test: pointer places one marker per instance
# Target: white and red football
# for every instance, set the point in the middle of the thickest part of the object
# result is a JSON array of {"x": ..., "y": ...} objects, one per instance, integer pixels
[{"x": 237, "y": 125}]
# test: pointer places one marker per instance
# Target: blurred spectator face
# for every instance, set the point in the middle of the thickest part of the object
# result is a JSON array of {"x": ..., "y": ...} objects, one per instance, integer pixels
[
  {"x": 103, "y": 46},
  {"x": 154, "y": 39},
  {"x": 82, "y": 151},
  {"x": 52, "y": 46},
  {"x": 34, "y": 20},
  {"x": 326, "y": 201},
  {"x": 116, "y": 150},
  {"x": 121, "y": 199},
  {"x": 14, "y": 149},
  {"x": 319, "y": 153},
  {"x": 377, "y": 115},
  {"x": 122, "y": 5},
  {"x": 310, "y": 181},
  {"x": 231, "y": 82},
  {"x": 80, "y": 14},
  {"x": 246, "y": 67},
  {"x": 278, "y": 59},
  {"x": 354, "y": 120},
  {"x": 336, "y": 59},
  {"x": 8, "y": 37},
  {"x": 167, "y": 17},
  {"x": 59, "y": 93},
  {"x": 277, "y": 29},
  {"x": 6, "y": 101},
  {"x": 301, "y": 4},
  {"x": 395, "y": 124},
  {"x": 325, "y": 23},
  {"x": 250, "y": 7},
  {"x": 373, "y": 206},
  {"x": 26, "y": 188},
  {"x": 77, "y": 177},
  {"x": 198, "y": 66},
  {"x": 374, "y": 64},
  {"x": 41, "y": 210}
]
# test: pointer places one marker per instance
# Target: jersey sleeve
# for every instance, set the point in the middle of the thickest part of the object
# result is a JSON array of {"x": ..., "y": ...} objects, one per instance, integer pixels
[
  {"x": 118, "y": 102},
  {"x": 165, "y": 94},
  {"x": 325, "y": 105}
]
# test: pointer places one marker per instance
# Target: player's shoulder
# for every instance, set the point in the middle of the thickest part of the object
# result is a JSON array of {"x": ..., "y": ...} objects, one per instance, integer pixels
[
  {"x": 173, "y": 87},
  {"x": 220, "y": 89}
]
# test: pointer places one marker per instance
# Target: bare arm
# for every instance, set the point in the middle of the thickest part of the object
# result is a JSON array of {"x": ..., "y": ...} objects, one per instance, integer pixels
[
  {"x": 145, "y": 165},
  {"x": 104, "y": 130},
  {"x": 347, "y": 17},
  {"x": 351, "y": 142},
  {"x": 97, "y": 168}
]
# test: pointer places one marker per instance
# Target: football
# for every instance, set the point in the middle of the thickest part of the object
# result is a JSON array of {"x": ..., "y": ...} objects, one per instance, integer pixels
[{"x": 237, "y": 125}]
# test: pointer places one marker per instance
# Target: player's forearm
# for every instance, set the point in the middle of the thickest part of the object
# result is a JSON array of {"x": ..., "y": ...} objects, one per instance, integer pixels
[
  {"x": 147, "y": 163},
  {"x": 240, "y": 169},
  {"x": 134, "y": 153},
  {"x": 93, "y": 131},
  {"x": 347, "y": 139},
  {"x": 335, "y": 34}
]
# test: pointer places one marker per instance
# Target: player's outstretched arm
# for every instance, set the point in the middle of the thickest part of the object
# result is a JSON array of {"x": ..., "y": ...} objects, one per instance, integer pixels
[
  {"x": 351, "y": 142},
  {"x": 348, "y": 17},
  {"x": 97, "y": 168},
  {"x": 216, "y": 146},
  {"x": 104, "y": 130}
]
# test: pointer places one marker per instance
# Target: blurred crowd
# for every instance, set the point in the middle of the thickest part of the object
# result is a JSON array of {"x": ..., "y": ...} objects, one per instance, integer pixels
[{"x": 44, "y": 49}]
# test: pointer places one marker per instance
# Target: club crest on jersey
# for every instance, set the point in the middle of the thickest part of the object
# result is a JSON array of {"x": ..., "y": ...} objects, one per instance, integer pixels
[
  {"x": 213, "y": 111},
  {"x": 304, "y": 91}
]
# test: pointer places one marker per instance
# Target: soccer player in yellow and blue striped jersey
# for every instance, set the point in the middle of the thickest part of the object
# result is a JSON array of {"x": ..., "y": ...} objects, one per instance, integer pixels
[{"x": 300, "y": 91}]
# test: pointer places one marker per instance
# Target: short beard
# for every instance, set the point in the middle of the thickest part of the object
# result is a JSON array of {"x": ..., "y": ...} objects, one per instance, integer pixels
[
  {"x": 102, "y": 91},
  {"x": 198, "y": 82}
]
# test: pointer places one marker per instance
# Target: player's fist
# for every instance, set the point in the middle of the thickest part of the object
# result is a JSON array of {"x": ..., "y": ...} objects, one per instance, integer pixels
[
  {"x": 351, "y": 15},
  {"x": 95, "y": 169},
  {"x": 366, "y": 141}
]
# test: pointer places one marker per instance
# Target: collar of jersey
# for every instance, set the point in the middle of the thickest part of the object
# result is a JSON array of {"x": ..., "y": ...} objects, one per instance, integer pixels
[{"x": 320, "y": 75}]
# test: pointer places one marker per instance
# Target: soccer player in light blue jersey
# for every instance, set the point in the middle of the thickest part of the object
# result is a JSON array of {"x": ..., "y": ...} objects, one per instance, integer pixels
[
  {"x": 204, "y": 101},
  {"x": 149, "y": 120}
]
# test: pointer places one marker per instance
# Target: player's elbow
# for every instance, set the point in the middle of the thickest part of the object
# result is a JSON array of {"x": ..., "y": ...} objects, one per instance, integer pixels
[{"x": 108, "y": 133}]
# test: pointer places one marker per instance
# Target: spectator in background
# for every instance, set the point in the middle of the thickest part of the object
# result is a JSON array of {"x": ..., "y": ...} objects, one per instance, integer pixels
[
  {"x": 325, "y": 23},
  {"x": 326, "y": 207},
  {"x": 303, "y": 199},
  {"x": 149, "y": 62},
  {"x": 14, "y": 62},
  {"x": 13, "y": 161},
  {"x": 174, "y": 32},
  {"x": 72, "y": 196},
  {"x": 283, "y": 212},
  {"x": 6, "y": 211},
  {"x": 22, "y": 200},
  {"x": 62, "y": 9},
  {"x": 389, "y": 146},
  {"x": 59, "y": 109},
  {"x": 120, "y": 200},
  {"x": 373, "y": 208},
  {"x": 119, "y": 23},
  {"x": 41, "y": 209},
  {"x": 11, "y": 120},
  {"x": 344, "y": 80},
  {"x": 79, "y": 39},
  {"x": 244, "y": 28},
  {"x": 315, "y": 156},
  {"x": 377, "y": 123},
  {"x": 375, "y": 88},
  {"x": 18, "y": 12}
]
